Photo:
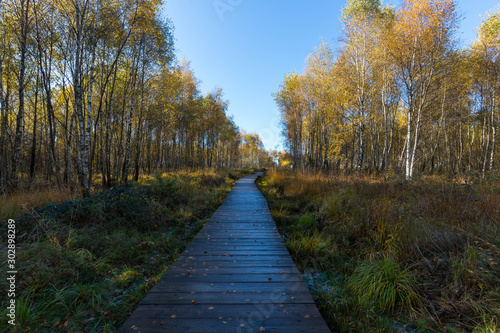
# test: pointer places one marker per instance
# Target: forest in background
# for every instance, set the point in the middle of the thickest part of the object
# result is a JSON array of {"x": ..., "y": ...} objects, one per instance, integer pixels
[
  {"x": 399, "y": 95},
  {"x": 91, "y": 90}
]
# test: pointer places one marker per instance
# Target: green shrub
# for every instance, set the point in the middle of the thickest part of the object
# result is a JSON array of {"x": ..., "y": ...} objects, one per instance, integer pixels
[
  {"x": 465, "y": 269},
  {"x": 307, "y": 221},
  {"x": 315, "y": 249},
  {"x": 385, "y": 286}
]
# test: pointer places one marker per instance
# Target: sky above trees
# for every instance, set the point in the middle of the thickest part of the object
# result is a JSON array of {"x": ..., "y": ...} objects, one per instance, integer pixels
[{"x": 246, "y": 46}]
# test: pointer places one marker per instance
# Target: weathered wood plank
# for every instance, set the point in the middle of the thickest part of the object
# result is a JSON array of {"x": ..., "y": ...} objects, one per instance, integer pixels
[
  {"x": 271, "y": 261},
  {"x": 277, "y": 296},
  {"x": 169, "y": 286},
  {"x": 202, "y": 311},
  {"x": 289, "y": 324},
  {"x": 216, "y": 270},
  {"x": 235, "y": 276}
]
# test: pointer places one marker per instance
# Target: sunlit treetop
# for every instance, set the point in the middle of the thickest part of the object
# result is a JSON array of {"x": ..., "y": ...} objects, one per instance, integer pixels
[
  {"x": 427, "y": 23},
  {"x": 355, "y": 8},
  {"x": 489, "y": 30}
]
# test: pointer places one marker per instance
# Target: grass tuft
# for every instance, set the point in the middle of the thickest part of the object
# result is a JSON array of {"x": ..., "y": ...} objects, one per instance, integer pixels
[{"x": 384, "y": 285}]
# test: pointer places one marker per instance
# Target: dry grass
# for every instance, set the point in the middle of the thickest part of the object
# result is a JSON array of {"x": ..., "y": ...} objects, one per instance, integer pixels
[
  {"x": 84, "y": 265},
  {"x": 12, "y": 205},
  {"x": 443, "y": 232},
  {"x": 15, "y": 204}
]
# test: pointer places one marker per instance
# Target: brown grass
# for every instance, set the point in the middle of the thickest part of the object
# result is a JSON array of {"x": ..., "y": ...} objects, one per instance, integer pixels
[
  {"x": 445, "y": 231},
  {"x": 12, "y": 205}
]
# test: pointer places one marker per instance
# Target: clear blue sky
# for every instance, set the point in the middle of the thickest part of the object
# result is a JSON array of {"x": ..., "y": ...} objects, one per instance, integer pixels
[{"x": 246, "y": 47}]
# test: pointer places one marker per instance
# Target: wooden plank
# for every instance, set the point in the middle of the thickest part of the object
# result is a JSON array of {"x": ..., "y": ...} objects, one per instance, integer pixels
[
  {"x": 235, "y": 276},
  {"x": 202, "y": 311},
  {"x": 238, "y": 258},
  {"x": 232, "y": 241},
  {"x": 277, "y": 296},
  {"x": 190, "y": 270},
  {"x": 270, "y": 261},
  {"x": 168, "y": 286},
  {"x": 290, "y": 324},
  {"x": 262, "y": 245},
  {"x": 232, "y": 253}
]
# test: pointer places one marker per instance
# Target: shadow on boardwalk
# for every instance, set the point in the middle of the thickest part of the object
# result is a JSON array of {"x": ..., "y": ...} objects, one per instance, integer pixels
[{"x": 235, "y": 276}]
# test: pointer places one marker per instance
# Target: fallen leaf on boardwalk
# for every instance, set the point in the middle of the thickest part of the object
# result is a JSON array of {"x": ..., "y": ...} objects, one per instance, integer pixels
[
  {"x": 210, "y": 307},
  {"x": 267, "y": 317},
  {"x": 282, "y": 305},
  {"x": 242, "y": 325},
  {"x": 307, "y": 316},
  {"x": 193, "y": 292},
  {"x": 269, "y": 279},
  {"x": 220, "y": 317},
  {"x": 262, "y": 329},
  {"x": 154, "y": 321},
  {"x": 162, "y": 322},
  {"x": 211, "y": 284},
  {"x": 192, "y": 302},
  {"x": 224, "y": 322},
  {"x": 230, "y": 318},
  {"x": 247, "y": 300},
  {"x": 173, "y": 316},
  {"x": 292, "y": 298}
]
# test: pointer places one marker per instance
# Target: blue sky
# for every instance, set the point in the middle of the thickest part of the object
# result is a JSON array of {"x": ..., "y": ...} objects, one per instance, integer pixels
[{"x": 246, "y": 47}]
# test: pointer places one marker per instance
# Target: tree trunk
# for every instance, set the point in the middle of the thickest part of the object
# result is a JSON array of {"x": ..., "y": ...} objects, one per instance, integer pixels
[
  {"x": 17, "y": 158},
  {"x": 4, "y": 152},
  {"x": 128, "y": 125},
  {"x": 33, "y": 140}
]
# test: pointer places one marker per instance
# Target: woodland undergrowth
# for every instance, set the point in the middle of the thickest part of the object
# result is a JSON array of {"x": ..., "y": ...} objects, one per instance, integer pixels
[
  {"x": 85, "y": 264},
  {"x": 391, "y": 255}
]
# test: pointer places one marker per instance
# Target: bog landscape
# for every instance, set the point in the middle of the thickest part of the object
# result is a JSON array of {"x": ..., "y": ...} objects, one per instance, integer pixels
[{"x": 133, "y": 200}]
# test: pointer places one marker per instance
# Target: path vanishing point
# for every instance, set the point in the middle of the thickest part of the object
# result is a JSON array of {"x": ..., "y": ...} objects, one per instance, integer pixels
[{"x": 235, "y": 276}]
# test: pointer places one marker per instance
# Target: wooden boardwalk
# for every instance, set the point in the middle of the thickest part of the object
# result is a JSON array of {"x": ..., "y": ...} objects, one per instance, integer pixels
[{"x": 235, "y": 276}]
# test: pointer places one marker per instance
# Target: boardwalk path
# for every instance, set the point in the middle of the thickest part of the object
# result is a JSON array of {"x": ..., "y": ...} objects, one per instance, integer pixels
[{"x": 235, "y": 276}]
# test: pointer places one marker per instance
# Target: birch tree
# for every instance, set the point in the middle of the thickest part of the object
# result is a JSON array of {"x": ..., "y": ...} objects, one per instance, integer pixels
[{"x": 422, "y": 36}]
